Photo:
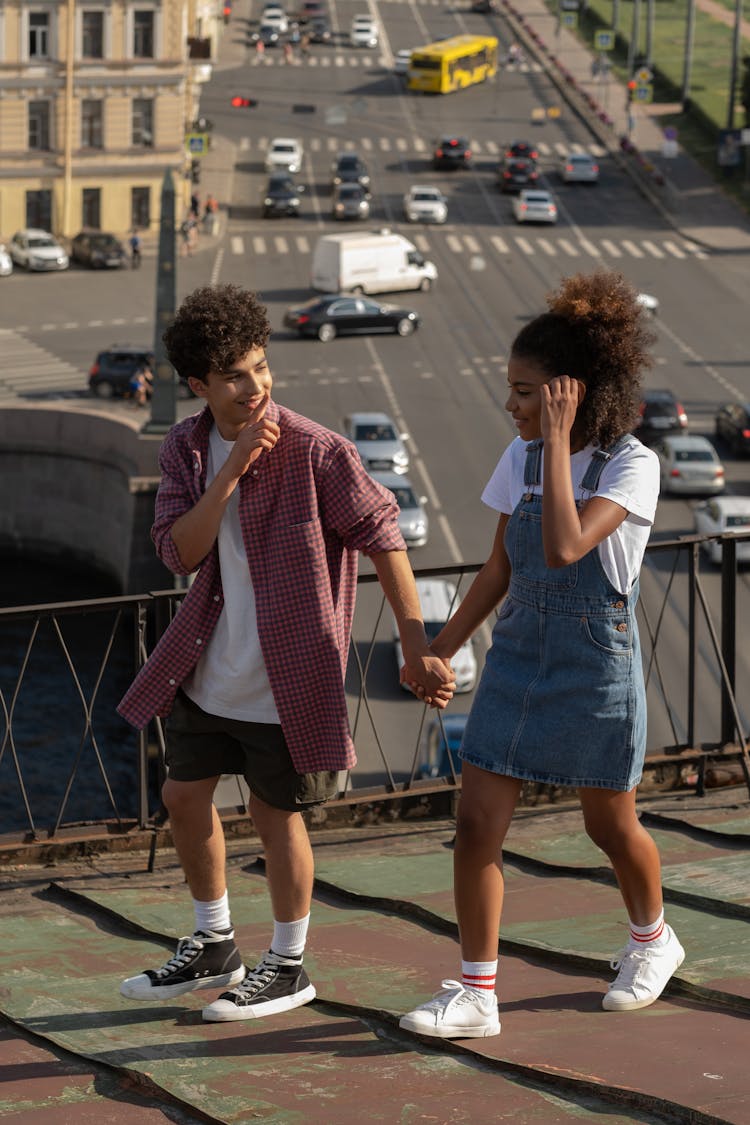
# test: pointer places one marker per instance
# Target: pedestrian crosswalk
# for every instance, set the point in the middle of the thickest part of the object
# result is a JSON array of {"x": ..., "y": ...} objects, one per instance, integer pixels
[
  {"x": 28, "y": 369},
  {"x": 418, "y": 146},
  {"x": 354, "y": 61}
]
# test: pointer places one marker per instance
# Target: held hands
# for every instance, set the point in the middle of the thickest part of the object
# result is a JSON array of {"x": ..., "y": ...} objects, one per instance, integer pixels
[
  {"x": 430, "y": 678},
  {"x": 560, "y": 399},
  {"x": 259, "y": 434}
]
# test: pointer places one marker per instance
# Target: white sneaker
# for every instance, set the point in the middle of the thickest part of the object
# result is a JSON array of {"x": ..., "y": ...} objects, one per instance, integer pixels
[
  {"x": 644, "y": 974},
  {"x": 456, "y": 1012}
]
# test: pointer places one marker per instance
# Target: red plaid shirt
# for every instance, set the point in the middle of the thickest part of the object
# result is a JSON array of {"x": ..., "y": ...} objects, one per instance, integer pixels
[{"x": 306, "y": 508}]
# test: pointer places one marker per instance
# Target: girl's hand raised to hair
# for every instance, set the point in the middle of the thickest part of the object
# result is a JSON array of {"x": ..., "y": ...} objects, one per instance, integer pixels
[{"x": 560, "y": 400}]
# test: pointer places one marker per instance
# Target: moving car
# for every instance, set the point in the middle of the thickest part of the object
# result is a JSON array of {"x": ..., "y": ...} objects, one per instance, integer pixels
[
  {"x": 425, "y": 205},
  {"x": 451, "y": 153},
  {"x": 689, "y": 464},
  {"x": 649, "y": 303},
  {"x": 364, "y": 32},
  {"x": 113, "y": 368},
  {"x": 378, "y": 441},
  {"x": 732, "y": 425},
  {"x": 412, "y": 518},
  {"x": 350, "y": 168},
  {"x": 6, "y": 262},
  {"x": 401, "y": 61},
  {"x": 534, "y": 206},
  {"x": 522, "y": 149},
  {"x": 346, "y": 315},
  {"x": 284, "y": 153},
  {"x": 517, "y": 172},
  {"x": 37, "y": 250},
  {"x": 660, "y": 414},
  {"x": 281, "y": 196},
  {"x": 319, "y": 30},
  {"x": 99, "y": 250},
  {"x": 370, "y": 262},
  {"x": 724, "y": 515},
  {"x": 268, "y": 34},
  {"x": 442, "y": 741},
  {"x": 273, "y": 15},
  {"x": 350, "y": 201},
  {"x": 579, "y": 167},
  {"x": 439, "y": 601}
]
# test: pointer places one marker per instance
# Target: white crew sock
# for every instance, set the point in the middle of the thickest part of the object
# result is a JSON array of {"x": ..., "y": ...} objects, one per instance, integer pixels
[
  {"x": 649, "y": 937},
  {"x": 289, "y": 937},
  {"x": 212, "y": 915}
]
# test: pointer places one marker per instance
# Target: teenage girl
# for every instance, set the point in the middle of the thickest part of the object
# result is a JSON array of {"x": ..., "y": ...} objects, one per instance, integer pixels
[{"x": 561, "y": 698}]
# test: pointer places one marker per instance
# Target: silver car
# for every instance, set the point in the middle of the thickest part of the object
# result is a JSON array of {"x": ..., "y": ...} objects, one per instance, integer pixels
[
  {"x": 284, "y": 154},
  {"x": 412, "y": 519},
  {"x": 689, "y": 464},
  {"x": 532, "y": 206},
  {"x": 724, "y": 515},
  {"x": 579, "y": 168},
  {"x": 378, "y": 442},
  {"x": 425, "y": 205}
]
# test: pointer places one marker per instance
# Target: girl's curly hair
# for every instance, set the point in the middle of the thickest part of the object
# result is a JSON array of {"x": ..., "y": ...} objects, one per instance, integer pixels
[
  {"x": 595, "y": 331},
  {"x": 214, "y": 328}
]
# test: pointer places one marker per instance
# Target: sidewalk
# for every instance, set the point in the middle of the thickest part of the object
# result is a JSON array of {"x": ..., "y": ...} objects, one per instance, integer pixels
[{"x": 688, "y": 198}]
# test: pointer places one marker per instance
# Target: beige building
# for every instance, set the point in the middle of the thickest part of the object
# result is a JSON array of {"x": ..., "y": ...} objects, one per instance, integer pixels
[{"x": 95, "y": 99}]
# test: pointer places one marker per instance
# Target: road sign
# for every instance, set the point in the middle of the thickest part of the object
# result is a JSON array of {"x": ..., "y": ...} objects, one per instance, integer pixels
[
  {"x": 196, "y": 143},
  {"x": 644, "y": 92},
  {"x": 604, "y": 40},
  {"x": 644, "y": 75},
  {"x": 570, "y": 20}
]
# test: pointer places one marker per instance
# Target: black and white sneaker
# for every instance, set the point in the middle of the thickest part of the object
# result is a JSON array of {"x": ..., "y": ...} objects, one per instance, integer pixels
[
  {"x": 276, "y": 984},
  {"x": 208, "y": 959}
]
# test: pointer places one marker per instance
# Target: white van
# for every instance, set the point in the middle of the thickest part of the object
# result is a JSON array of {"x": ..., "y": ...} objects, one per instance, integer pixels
[{"x": 371, "y": 262}]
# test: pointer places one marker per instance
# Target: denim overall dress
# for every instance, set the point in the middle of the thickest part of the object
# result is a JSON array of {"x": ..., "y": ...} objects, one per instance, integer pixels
[{"x": 561, "y": 698}]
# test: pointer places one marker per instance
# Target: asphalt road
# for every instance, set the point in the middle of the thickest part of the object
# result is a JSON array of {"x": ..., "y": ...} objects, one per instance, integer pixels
[{"x": 444, "y": 385}]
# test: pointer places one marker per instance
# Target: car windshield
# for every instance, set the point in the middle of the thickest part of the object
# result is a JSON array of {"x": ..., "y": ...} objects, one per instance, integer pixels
[
  {"x": 350, "y": 191},
  {"x": 104, "y": 242},
  {"x": 405, "y": 497},
  {"x": 38, "y": 242},
  {"x": 536, "y": 198},
  {"x": 377, "y": 432},
  {"x": 283, "y": 148},
  {"x": 693, "y": 455},
  {"x": 426, "y": 196}
]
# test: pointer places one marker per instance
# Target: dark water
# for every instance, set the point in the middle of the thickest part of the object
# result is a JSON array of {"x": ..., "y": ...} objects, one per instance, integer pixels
[{"x": 48, "y": 720}]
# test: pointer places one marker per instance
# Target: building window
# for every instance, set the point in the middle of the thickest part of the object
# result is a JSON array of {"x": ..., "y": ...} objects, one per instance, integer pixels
[
  {"x": 143, "y": 35},
  {"x": 39, "y": 38},
  {"x": 91, "y": 208},
  {"x": 143, "y": 122},
  {"x": 39, "y": 209},
  {"x": 92, "y": 35},
  {"x": 140, "y": 207},
  {"x": 39, "y": 126},
  {"x": 91, "y": 123}
]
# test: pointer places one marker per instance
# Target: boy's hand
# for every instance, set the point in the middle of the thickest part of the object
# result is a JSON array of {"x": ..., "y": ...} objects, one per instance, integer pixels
[
  {"x": 431, "y": 679},
  {"x": 259, "y": 434}
]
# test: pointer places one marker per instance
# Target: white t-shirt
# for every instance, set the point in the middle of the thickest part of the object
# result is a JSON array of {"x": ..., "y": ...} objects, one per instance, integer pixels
[
  {"x": 631, "y": 479},
  {"x": 230, "y": 679}
]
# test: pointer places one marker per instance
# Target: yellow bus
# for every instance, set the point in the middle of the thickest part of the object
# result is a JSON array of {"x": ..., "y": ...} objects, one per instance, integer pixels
[{"x": 451, "y": 64}]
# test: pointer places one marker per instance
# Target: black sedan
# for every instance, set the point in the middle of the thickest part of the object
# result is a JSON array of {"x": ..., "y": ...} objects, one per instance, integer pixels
[
  {"x": 340, "y": 315},
  {"x": 515, "y": 173},
  {"x": 732, "y": 425},
  {"x": 451, "y": 152},
  {"x": 523, "y": 149},
  {"x": 97, "y": 249},
  {"x": 281, "y": 196}
]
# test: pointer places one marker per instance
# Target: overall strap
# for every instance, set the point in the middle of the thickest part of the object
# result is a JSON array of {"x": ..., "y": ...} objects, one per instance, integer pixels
[
  {"x": 533, "y": 462},
  {"x": 599, "y": 458}
]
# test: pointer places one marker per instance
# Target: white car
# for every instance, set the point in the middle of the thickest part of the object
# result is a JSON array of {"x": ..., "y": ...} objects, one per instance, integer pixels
[
  {"x": 532, "y": 206},
  {"x": 440, "y": 601},
  {"x": 425, "y": 205},
  {"x": 649, "y": 303},
  {"x": 6, "y": 262},
  {"x": 378, "y": 441},
  {"x": 37, "y": 250},
  {"x": 402, "y": 61},
  {"x": 724, "y": 515},
  {"x": 364, "y": 32},
  {"x": 689, "y": 464},
  {"x": 579, "y": 168},
  {"x": 276, "y": 17},
  {"x": 284, "y": 153},
  {"x": 412, "y": 518}
]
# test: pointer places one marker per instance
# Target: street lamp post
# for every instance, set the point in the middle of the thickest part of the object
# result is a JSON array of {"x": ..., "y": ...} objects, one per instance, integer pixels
[
  {"x": 736, "y": 38},
  {"x": 635, "y": 36},
  {"x": 163, "y": 406},
  {"x": 688, "y": 63}
]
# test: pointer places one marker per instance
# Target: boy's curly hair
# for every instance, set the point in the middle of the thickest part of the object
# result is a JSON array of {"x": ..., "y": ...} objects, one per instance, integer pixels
[
  {"x": 214, "y": 327},
  {"x": 595, "y": 331}
]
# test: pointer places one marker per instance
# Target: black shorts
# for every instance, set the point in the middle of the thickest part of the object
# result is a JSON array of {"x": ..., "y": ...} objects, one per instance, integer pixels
[{"x": 199, "y": 745}]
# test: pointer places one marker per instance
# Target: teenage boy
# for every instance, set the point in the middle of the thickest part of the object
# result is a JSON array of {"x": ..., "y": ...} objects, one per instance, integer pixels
[{"x": 269, "y": 510}]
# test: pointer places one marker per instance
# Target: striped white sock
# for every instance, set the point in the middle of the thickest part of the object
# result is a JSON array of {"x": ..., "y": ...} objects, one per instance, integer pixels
[
  {"x": 652, "y": 935},
  {"x": 480, "y": 975}
]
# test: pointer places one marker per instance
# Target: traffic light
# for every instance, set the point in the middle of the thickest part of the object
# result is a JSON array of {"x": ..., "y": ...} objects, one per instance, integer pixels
[
  {"x": 632, "y": 86},
  {"x": 240, "y": 103}
]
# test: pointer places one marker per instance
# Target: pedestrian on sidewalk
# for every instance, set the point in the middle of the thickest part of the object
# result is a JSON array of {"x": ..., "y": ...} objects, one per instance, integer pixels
[
  {"x": 270, "y": 511},
  {"x": 135, "y": 249},
  {"x": 210, "y": 211},
  {"x": 561, "y": 698}
]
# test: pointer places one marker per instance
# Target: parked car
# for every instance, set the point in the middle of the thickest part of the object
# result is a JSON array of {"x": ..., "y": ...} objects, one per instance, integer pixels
[
  {"x": 350, "y": 168},
  {"x": 402, "y": 61},
  {"x": 732, "y": 425},
  {"x": 425, "y": 204},
  {"x": 534, "y": 206},
  {"x": 113, "y": 368},
  {"x": 660, "y": 414},
  {"x": 517, "y": 172},
  {"x": 98, "y": 249},
  {"x": 451, "y": 153},
  {"x": 350, "y": 201},
  {"x": 378, "y": 441},
  {"x": 37, "y": 250},
  {"x": 439, "y": 601},
  {"x": 284, "y": 153},
  {"x": 345, "y": 315},
  {"x": 442, "y": 741},
  {"x": 723, "y": 515},
  {"x": 281, "y": 196},
  {"x": 364, "y": 32},
  {"x": 6, "y": 262},
  {"x": 689, "y": 464},
  {"x": 522, "y": 149},
  {"x": 412, "y": 518},
  {"x": 579, "y": 167}
]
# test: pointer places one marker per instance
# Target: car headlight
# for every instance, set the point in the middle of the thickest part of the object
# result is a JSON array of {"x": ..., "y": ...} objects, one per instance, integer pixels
[
  {"x": 339, "y": 208},
  {"x": 294, "y": 202},
  {"x": 268, "y": 201},
  {"x": 401, "y": 458}
]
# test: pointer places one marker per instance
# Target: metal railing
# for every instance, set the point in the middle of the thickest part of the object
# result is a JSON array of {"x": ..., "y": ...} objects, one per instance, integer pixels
[{"x": 66, "y": 757}]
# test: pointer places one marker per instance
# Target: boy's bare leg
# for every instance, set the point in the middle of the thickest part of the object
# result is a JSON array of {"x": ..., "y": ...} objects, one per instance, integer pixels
[
  {"x": 198, "y": 835},
  {"x": 289, "y": 859}
]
